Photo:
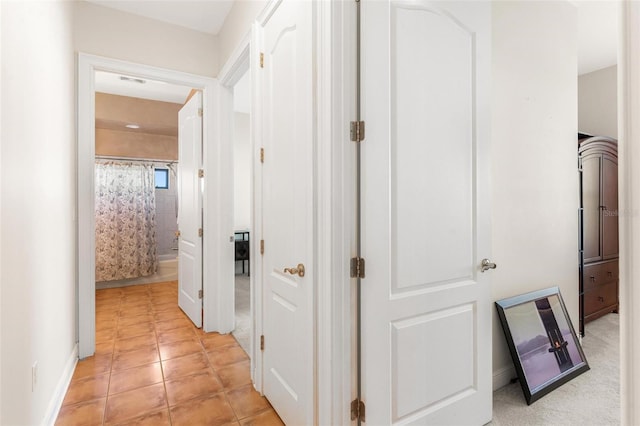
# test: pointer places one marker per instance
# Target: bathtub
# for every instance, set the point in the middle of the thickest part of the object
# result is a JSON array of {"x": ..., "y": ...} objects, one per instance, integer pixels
[
  {"x": 167, "y": 271},
  {"x": 167, "y": 268}
]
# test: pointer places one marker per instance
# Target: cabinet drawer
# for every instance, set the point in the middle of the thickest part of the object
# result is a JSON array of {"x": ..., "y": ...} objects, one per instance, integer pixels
[
  {"x": 609, "y": 271},
  {"x": 603, "y": 298},
  {"x": 598, "y": 274},
  {"x": 592, "y": 277}
]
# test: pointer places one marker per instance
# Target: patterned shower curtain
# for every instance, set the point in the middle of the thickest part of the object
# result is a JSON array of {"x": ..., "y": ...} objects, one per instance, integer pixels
[{"x": 125, "y": 208}]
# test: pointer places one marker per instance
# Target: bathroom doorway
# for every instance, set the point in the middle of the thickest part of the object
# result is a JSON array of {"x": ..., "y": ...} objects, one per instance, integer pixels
[
  {"x": 148, "y": 146},
  {"x": 88, "y": 65},
  {"x": 136, "y": 137}
]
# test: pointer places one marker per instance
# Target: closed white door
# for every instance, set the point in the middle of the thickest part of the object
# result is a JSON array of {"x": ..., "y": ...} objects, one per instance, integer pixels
[
  {"x": 190, "y": 209},
  {"x": 426, "y": 308},
  {"x": 287, "y": 215}
]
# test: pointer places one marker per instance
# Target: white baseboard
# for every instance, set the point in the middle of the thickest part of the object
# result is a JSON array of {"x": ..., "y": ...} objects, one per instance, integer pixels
[
  {"x": 503, "y": 376},
  {"x": 61, "y": 389}
]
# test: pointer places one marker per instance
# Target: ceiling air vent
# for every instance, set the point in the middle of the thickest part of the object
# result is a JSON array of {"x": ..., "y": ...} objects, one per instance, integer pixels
[{"x": 132, "y": 79}]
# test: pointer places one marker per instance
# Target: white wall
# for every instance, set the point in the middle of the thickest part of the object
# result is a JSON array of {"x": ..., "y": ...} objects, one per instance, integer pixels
[
  {"x": 242, "y": 172},
  {"x": 38, "y": 303},
  {"x": 1, "y": 92},
  {"x": 535, "y": 180},
  {"x": 115, "y": 34},
  {"x": 598, "y": 102},
  {"x": 237, "y": 25}
]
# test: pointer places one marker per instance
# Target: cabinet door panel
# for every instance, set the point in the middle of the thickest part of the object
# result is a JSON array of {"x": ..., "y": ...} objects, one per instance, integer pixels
[
  {"x": 591, "y": 204},
  {"x": 610, "y": 207}
]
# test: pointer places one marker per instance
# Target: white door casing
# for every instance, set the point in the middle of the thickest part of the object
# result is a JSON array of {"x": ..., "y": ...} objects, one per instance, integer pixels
[
  {"x": 190, "y": 209},
  {"x": 426, "y": 308},
  {"x": 288, "y": 210},
  {"x": 213, "y": 160}
]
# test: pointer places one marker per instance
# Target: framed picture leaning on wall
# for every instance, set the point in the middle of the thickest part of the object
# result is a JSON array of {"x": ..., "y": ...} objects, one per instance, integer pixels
[{"x": 543, "y": 344}]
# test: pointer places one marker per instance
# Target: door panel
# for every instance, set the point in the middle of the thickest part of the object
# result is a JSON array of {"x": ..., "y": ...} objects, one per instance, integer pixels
[
  {"x": 426, "y": 308},
  {"x": 190, "y": 209},
  {"x": 415, "y": 165},
  {"x": 412, "y": 353},
  {"x": 288, "y": 211}
]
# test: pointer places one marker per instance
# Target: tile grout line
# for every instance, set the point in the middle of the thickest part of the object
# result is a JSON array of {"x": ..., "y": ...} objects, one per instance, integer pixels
[
  {"x": 113, "y": 350},
  {"x": 147, "y": 296},
  {"x": 164, "y": 380}
]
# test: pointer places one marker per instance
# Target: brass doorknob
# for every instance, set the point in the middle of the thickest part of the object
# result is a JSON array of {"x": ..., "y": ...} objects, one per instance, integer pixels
[{"x": 299, "y": 270}]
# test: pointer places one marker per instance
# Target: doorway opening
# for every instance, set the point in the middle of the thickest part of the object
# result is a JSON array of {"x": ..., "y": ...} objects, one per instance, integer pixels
[
  {"x": 136, "y": 152},
  {"x": 242, "y": 210},
  {"x": 88, "y": 65}
]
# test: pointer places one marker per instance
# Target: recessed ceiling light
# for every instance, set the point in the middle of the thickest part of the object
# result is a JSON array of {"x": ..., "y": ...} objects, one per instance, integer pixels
[{"x": 132, "y": 126}]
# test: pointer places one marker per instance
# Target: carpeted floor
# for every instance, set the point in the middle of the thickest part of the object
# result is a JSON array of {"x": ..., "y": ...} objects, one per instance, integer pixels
[{"x": 592, "y": 398}]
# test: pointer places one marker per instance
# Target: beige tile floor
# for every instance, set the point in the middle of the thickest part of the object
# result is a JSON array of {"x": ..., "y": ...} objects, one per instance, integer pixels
[{"x": 153, "y": 367}]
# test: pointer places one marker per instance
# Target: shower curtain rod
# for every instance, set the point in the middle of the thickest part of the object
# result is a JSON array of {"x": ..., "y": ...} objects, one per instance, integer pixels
[{"x": 154, "y": 160}]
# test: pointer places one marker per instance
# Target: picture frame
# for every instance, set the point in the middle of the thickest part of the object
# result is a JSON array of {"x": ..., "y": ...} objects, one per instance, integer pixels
[{"x": 542, "y": 341}]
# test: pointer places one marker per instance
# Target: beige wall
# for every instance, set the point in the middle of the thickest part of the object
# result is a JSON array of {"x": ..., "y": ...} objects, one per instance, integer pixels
[
  {"x": 116, "y": 143},
  {"x": 598, "y": 102},
  {"x": 237, "y": 25},
  {"x": 157, "y": 137},
  {"x": 38, "y": 227},
  {"x": 535, "y": 181},
  {"x": 115, "y": 34}
]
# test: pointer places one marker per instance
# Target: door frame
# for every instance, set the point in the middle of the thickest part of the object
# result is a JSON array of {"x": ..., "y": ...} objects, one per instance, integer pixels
[
  {"x": 334, "y": 108},
  {"x": 213, "y": 245},
  {"x": 234, "y": 69},
  {"x": 335, "y": 63},
  {"x": 629, "y": 184}
]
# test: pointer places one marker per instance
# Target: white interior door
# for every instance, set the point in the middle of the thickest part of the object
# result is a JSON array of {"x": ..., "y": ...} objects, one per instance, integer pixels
[
  {"x": 287, "y": 215},
  {"x": 426, "y": 308},
  {"x": 190, "y": 209}
]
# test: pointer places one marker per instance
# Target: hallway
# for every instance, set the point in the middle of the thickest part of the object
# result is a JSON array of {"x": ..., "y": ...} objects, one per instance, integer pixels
[{"x": 152, "y": 366}]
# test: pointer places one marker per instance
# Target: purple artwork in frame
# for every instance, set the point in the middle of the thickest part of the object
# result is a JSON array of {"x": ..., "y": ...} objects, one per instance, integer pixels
[{"x": 543, "y": 344}]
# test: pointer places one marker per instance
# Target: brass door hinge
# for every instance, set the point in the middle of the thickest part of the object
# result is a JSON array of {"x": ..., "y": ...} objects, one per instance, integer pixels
[
  {"x": 201, "y": 173},
  {"x": 200, "y": 232},
  {"x": 357, "y": 267},
  {"x": 262, "y": 155},
  {"x": 200, "y": 294},
  {"x": 261, "y": 246},
  {"x": 357, "y": 410},
  {"x": 262, "y": 342},
  {"x": 261, "y": 60},
  {"x": 357, "y": 131},
  {"x": 199, "y": 112}
]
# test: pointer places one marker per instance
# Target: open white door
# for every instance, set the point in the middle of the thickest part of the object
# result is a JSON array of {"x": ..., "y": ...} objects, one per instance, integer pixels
[
  {"x": 426, "y": 308},
  {"x": 190, "y": 209},
  {"x": 287, "y": 213}
]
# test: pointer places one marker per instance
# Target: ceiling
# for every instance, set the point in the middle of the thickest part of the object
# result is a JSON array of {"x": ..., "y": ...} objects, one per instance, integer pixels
[
  {"x": 201, "y": 15},
  {"x": 124, "y": 85},
  {"x": 597, "y": 39}
]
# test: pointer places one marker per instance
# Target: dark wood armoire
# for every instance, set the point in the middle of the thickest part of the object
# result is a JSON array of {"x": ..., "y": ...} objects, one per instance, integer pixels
[{"x": 598, "y": 165}]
